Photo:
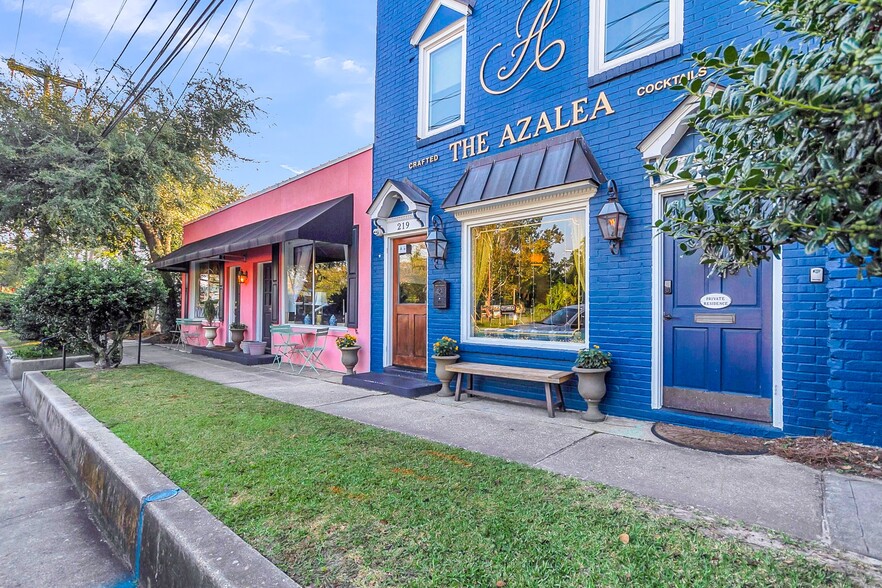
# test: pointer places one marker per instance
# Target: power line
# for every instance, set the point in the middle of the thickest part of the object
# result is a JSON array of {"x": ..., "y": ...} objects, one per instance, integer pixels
[
  {"x": 144, "y": 84},
  {"x": 64, "y": 28},
  {"x": 193, "y": 47},
  {"x": 196, "y": 71},
  {"x": 236, "y": 36},
  {"x": 112, "y": 25},
  {"x": 118, "y": 57},
  {"x": 18, "y": 33}
]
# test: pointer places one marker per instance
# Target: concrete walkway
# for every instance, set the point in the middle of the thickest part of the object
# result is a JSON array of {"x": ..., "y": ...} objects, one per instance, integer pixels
[
  {"x": 842, "y": 511},
  {"x": 46, "y": 535}
]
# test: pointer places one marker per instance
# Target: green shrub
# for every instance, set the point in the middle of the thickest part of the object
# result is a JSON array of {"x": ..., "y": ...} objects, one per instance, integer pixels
[
  {"x": 7, "y": 302},
  {"x": 89, "y": 304}
]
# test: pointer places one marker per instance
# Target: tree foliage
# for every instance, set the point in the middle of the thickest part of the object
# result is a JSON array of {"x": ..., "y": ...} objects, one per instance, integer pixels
[
  {"x": 791, "y": 148},
  {"x": 95, "y": 304},
  {"x": 63, "y": 186}
]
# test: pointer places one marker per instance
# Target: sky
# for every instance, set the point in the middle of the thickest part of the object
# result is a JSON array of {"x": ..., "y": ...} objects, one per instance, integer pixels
[{"x": 310, "y": 63}]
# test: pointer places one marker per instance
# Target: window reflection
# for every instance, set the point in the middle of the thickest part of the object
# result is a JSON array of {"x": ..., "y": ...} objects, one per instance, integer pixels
[
  {"x": 413, "y": 272},
  {"x": 528, "y": 279},
  {"x": 316, "y": 283}
]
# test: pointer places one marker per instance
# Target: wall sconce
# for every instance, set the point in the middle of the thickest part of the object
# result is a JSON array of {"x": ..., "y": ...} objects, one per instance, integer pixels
[
  {"x": 436, "y": 242},
  {"x": 612, "y": 219},
  {"x": 242, "y": 277}
]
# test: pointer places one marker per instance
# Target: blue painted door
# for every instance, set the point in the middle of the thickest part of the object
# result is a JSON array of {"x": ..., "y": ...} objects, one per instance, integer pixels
[{"x": 717, "y": 360}]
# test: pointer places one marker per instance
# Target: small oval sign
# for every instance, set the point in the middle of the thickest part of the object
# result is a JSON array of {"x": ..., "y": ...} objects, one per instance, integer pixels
[{"x": 716, "y": 301}]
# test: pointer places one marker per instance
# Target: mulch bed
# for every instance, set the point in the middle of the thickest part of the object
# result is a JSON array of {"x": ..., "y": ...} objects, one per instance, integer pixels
[{"x": 820, "y": 453}]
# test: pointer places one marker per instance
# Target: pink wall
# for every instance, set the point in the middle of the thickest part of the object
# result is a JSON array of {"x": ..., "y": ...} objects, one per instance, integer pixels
[{"x": 341, "y": 178}]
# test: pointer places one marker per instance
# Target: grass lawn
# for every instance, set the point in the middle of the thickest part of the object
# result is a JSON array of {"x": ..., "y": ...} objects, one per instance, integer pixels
[{"x": 336, "y": 503}]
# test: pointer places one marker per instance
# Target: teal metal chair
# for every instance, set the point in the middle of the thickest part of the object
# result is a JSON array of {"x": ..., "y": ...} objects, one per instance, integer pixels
[
  {"x": 190, "y": 332},
  {"x": 285, "y": 348},
  {"x": 312, "y": 354}
]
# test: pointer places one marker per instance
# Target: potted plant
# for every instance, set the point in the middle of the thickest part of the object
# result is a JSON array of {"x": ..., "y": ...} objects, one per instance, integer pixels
[
  {"x": 209, "y": 309},
  {"x": 237, "y": 335},
  {"x": 348, "y": 352},
  {"x": 591, "y": 367},
  {"x": 446, "y": 352}
]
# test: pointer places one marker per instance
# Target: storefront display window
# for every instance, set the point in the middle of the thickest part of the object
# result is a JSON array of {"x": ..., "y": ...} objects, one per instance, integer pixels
[
  {"x": 316, "y": 283},
  {"x": 528, "y": 279},
  {"x": 209, "y": 282}
]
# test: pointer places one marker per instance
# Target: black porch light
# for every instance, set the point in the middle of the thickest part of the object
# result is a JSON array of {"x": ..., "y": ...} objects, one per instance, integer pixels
[
  {"x": 612, "y": 219},
  {"x": 436, "y": 242}
]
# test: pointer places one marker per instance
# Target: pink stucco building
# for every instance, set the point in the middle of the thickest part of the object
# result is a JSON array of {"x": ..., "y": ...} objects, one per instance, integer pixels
[{"x": 297, "y": 253}]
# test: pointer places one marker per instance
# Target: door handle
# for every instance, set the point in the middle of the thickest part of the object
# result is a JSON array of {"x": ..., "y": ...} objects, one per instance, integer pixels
[{"x": 668, "y": 316}]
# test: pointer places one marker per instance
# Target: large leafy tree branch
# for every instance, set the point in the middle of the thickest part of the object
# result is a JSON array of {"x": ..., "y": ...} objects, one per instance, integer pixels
[
  {"x": 63, "y": 186},
  {"x": 791, "y": 148}
]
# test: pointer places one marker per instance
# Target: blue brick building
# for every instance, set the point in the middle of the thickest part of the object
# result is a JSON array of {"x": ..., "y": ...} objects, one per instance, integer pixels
[{"x": 508, "y": 125}]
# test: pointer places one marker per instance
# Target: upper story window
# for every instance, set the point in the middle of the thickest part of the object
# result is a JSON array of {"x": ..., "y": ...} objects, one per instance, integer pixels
[
  {"x": 625, "y": 30},
  {"x": 441, "y": 38}
]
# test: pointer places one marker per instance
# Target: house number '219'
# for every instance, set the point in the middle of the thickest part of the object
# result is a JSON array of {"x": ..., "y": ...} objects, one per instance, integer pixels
[{"x": 402, "y": 226}]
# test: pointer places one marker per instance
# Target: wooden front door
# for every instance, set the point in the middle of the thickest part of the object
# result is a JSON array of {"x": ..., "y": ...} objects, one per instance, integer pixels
[{"x": 410, "y": 274}]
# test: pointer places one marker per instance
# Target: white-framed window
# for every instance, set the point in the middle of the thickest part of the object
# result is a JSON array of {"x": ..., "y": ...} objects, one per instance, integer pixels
[
  {"x": 624, "y": 30},
  {"x": 316, "y": 289},
  {"x": 442, "y": 80},
  {"x": 525, "y": 278},
  {"x": 207, "y": 283}
]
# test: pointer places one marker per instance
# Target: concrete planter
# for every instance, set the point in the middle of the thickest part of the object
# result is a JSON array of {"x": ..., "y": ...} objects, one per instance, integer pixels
[
  {"x": 210, "y": 333},
  {"x": 16, "y": 368},
  {"x": 592, "y": 387},
  {"x": 349, "y": 358},
  {"x": 441, "y": 363},
  {"x": 236, "y": 338}
]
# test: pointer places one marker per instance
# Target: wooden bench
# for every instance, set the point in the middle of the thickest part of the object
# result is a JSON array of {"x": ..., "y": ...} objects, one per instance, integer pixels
[{"x": 551, "y": 378}]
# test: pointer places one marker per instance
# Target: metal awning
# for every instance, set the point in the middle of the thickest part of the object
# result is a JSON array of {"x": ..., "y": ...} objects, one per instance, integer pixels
[
  {"x": 546, "y": 164},
  {"x": 328, "y": 221}
]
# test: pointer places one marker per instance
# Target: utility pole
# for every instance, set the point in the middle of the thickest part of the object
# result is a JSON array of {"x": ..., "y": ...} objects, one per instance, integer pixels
[{"x": 52, "y": 83}]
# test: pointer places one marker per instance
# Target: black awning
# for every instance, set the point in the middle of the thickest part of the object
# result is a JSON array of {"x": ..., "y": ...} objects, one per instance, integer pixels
[
  {"x": 328, "y": 221},
  {"x": 554, "y": 162}
]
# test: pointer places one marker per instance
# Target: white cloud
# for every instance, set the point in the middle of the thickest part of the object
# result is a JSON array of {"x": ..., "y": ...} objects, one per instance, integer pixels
[
  {"x": 350, "y": 65},
  {"x": 346, "y": 69}
]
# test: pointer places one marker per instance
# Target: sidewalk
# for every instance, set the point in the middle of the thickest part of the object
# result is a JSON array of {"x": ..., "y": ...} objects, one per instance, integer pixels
[
  {"x": 46, "y": 535},
  {"x": 837, "y": 510}
]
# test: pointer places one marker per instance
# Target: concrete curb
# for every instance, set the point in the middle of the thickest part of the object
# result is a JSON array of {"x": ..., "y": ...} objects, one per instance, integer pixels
[
  {"x": 15, "y": 367},
  {"x": 182, "y": 543}
]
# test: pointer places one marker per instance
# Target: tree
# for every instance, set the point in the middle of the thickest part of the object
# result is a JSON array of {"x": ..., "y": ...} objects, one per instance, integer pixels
[
  {"x": 63, "y": 186},
  {"x": 96, "y": 304},
  {"x": 791, "y": 148}
]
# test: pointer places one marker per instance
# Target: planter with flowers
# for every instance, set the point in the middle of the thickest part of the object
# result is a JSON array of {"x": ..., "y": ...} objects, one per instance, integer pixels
[
  {"x": 348, "y": 352},
  {"x": 591, "y": 367},
  {"x": 446, "y": 352}
]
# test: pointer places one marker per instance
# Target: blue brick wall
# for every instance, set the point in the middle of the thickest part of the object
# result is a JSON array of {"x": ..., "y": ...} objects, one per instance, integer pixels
[
  {"x": 855, "y": 362},
  {"x": 620, "y": 287}
]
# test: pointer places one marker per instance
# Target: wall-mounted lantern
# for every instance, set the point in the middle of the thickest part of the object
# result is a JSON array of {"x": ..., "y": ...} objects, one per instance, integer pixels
[
  {"x": 242, "y": 277},
  {"x": 436, "y": 242},
  {"x": 612, "y": 219}
]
